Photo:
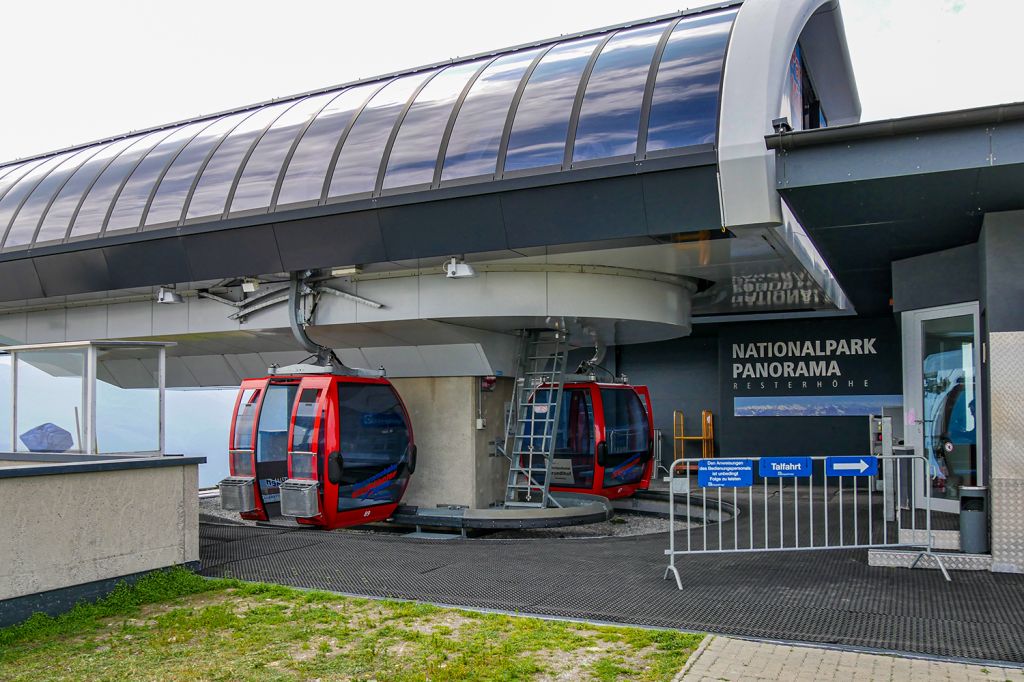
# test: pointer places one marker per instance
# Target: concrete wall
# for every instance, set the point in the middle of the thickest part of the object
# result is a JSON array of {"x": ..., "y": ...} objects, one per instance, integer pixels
[
  {"x": 453, "y": 464},
  {"x": 69, "y": 529}
]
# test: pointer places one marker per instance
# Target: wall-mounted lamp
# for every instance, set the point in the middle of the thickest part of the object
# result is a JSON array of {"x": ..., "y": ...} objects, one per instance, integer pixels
[
  {"x": 168, "y": 295},
  {"x": 781, "y": 125},
  {"x": 458, "y": 268}
]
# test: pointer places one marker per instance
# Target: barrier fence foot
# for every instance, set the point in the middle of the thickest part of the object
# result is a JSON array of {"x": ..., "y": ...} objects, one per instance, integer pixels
[
  {"x": 672, "y": 569},
  {"x": 935, "y": 557}
]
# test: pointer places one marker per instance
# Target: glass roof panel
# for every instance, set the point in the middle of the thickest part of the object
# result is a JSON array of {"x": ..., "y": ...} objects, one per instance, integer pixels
[
  {"x": 359, "y": 162},
  {"x": 23, "y": 188},
  {"x": 169, "y": 201},
  {"x": 684, "y": 110},
  {"x": 414, "y": 154},
  {"x": 4, "y": 172},
  {"x": 307, "y": 170},
  {"x": 11, "y": 179},
  {"x": 23, "y": 229},
  {"x": 131, "y": 202},
  {"x": 58, "y": 217},
  {"x": 93, "y": 210},
  {"x": 256, "y": 187},
  {"x": 542, "y": 119},
  {"x": 473, "y": 146},
  {"x": 610, "y": 115},
  {"x": 211, "y": 195}
]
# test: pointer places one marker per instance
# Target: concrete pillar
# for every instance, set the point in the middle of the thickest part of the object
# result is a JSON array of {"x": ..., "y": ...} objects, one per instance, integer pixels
[
  {"x": 1002, "y": 292},
  {"x": 455, "y": 464}
]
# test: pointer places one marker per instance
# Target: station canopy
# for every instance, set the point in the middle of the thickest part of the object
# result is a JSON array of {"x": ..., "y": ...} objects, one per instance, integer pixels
[{"x": 623, "y": 94}]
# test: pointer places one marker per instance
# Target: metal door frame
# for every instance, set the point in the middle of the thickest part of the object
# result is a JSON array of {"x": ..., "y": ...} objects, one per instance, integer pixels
[{"x": 913, "y": 378}]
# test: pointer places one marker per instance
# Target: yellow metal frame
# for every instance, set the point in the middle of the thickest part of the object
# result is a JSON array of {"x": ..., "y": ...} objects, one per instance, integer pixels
[{"x": 706, "y": 437}]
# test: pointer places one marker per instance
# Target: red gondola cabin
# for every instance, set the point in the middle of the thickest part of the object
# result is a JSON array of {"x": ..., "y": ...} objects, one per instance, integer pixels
[
  {"x": 603, "y": 443},
  {"x": 329, "y": 450}
]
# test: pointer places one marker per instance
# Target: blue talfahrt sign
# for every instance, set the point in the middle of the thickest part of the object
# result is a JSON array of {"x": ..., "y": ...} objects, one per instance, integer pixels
[
  {"x": 784, "y": 467},
  {"x": 851, "y": 466},
  {"x": 725, "y": 473}
]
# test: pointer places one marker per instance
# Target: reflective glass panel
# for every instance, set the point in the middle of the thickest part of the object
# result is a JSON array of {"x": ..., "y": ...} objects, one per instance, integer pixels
[
  {"x": 211, "y": 195},
  {"x": 134, "y": 195},
  {"x": 58, "y": 217},
  {"x": 950, "y": 394},
  {"x": 263, "y": 168},
  {"x": 23, "y": 188},
  {"x": 272, "y": 439},
  {"x": 305, "y": 420},
  {"x": 627, "y": 435},
  {"x": 542, "y": 119},
  {"x": 25, "y": 222},
  {"x": 304, "y": 179},
  {"x": 356, "y": 170},
  {"x": 242, "y": 434},
  {"x": 414, "y": 155},
  {"x": 10, "y": 174},
  {"x": 169, "y": 200},
  {"x": 15, "y": 173},
  {"x": 684, "y": 110},
  {"x": 50, "y": 417},
  {"x": 574, "y": 441},
  {"x": 6, "y": 408},
  {"x": 610, "y": 114},
  {"x": 127, "y": 400},
  {"x": 473, "y": 145},
  {"x": 94, "y": 209},
  {"x": 374, "y": 443}
]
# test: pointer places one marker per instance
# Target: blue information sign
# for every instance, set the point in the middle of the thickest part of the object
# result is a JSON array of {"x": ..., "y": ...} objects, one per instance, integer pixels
[
  {"x": 851, "y": 466},
  {"x": 785, "y": 467},
  {"x": 725, "y": 473}
]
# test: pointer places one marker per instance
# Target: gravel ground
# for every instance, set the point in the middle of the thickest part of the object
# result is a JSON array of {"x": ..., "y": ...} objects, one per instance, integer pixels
[{"x": 622, "y": 525}]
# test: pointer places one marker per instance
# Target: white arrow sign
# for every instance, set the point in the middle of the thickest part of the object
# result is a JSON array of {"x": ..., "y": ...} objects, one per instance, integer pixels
[{"x": 860, "y": 466}]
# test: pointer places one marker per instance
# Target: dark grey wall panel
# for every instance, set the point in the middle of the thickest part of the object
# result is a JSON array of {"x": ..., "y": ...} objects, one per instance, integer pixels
[
  {"x": 71, "y": 273},
  {"x": 576, "y": 212},
  {"x": 346, "y": 239},
  {"x": 683, "y": 200},
  {"x": 681, "y": 374},
  {"x": 146, "y": 263},
  {"x": 1002, "y": 252},
  {"x": 232, "y": 253},
  {"x": 18, "y": 280},
  {"x": 940, "y": 278},
  {"x": 440, "y": 228}
]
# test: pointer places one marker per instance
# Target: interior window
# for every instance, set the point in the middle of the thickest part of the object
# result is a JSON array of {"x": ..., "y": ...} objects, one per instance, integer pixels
[
  {"x": 305, "y": 418},
  {"x": 574, "y": 441},
  {"x": 374, "y": 438},
  {"x": 627, "y": 435},
  {"x": 243, "y": 420}
]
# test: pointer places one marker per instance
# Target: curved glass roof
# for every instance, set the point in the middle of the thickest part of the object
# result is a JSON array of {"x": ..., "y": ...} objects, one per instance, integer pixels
[{"x": 617, "y": 95}]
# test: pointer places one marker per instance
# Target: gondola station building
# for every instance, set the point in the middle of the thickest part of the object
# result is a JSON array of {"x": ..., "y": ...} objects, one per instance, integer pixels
[{"x": 689, "y": 203}]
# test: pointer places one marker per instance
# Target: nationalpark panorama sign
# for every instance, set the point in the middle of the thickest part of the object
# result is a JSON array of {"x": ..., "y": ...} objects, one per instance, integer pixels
[
  {"x": 796, "y": 359},
  {"x": 821, "y": 369}
]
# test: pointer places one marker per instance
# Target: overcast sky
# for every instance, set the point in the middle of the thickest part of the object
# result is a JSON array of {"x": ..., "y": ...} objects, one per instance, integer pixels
[{"x": 77, "y": 71}]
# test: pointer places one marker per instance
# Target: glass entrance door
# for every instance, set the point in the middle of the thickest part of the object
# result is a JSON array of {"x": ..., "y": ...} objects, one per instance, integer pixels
[{"x": 942, "y": 400}]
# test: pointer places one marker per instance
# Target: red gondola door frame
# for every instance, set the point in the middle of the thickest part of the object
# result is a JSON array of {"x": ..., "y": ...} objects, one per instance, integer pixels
[{"x": 322, "y": 440}]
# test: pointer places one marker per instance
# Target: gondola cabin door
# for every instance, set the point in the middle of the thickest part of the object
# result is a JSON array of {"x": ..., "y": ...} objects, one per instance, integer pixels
[{"x": 603, "y": 442}]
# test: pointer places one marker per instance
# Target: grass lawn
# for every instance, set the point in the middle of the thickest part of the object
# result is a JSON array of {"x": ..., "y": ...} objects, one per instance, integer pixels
[{"x": 178, "y": 626}]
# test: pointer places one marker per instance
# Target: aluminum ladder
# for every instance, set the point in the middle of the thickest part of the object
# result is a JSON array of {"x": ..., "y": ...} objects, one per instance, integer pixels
[{"x": 532, "y": 425}]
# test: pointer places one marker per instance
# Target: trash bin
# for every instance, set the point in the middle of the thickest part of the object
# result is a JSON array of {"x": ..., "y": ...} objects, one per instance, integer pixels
[{"x": 974, "y": 519}]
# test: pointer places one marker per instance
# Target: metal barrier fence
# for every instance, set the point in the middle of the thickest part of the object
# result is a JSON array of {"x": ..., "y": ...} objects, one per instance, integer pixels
[{"x": 800, "y": 505}]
